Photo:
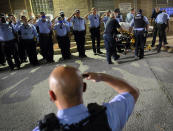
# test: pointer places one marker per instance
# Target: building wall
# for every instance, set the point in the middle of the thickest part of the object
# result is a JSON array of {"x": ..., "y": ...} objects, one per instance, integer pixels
[
  {"x": 5, "y": 6},
  {"x": 68, "y": 6}
]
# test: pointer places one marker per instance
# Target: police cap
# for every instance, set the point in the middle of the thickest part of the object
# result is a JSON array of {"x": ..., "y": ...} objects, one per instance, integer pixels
[
  {"x": 117, "y": 10},
  {"x": 140, "y": 11},
  {"x": 77, "y": 11}
]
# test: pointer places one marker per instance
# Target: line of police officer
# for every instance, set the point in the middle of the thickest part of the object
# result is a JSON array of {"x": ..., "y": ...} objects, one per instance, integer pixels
[{"x": 41, "y": 30}]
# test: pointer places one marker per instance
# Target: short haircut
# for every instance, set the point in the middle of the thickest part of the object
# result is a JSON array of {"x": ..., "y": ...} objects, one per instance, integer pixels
[
  {"x": 132, "y": 9},
  {"x": 23, "y": 16}
]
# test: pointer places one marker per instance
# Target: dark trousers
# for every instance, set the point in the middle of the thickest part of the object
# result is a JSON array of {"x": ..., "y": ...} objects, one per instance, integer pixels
[
  {"x": 10, "y": 49},
  {"x": 21, "y": 50},
  {"x": 139, "y": 43},
  {"x": 64, "y": 45},
  {"x": 155, "y": 31},
  {"x": 95, "y": 34},
  {"x": 162, "y": 34},
  {"x": 46, "y": 46},
  {"x": 79, "y": 37},
  {"x": 30, "y": 47},
  {"x": 2, "y": 56},
  {"x": 110, "y": 45}
]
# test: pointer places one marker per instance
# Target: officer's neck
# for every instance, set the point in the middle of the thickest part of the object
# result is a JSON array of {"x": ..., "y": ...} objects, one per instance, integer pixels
[
  {"x": 65, "y": 105},
  {"x": 25, "y": 23}
]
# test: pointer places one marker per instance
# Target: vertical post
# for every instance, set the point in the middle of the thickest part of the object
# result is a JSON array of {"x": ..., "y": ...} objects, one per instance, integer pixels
[
  {"x": 135, "y": 4},
  {"x": 11, "y": 10}
]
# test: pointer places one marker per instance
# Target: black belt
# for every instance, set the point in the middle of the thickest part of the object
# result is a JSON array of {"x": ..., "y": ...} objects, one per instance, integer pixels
[
  {"x": 45, "y": 34},
  {"x": 95, "y": 27}
]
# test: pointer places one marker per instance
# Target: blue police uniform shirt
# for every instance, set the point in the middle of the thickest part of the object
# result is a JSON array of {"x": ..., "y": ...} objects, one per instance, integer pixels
[
  {"x": 105, "y": 19},
  {"x": 118, "y": 111},
  {"x": 6, "y": 32},
  {"x": 94, "y": 20},
  {"x": 17, "y": 25},
  {"x": 61, "y": 29},
  {"x": 65, "y": 21},
  {"x": 44, "y": 27},
  {"x": 162, "y": 18},
  {"x": 28, "y": 31},
  {"x": 119, "y": 18},
  {"x": 139, "y": 29},
  {"x": 129, "y": 17},
  {"x": 78, "y": 24}
]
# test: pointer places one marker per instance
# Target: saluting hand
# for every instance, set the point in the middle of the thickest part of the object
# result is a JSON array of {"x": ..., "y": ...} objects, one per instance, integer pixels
[{"x": 95, "y": 77}]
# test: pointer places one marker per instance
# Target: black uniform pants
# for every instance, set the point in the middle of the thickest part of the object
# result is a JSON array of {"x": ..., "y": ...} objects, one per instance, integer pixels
[
  {"x": 21, "y": 50},
  {"x": 46, "y": 46},
  {"x": 139, "y": 43},
  {"x": 64, "y": 45},
  {"x": 2, "y": 57},
  {"x": 30, "y": 47},
  {"x": 95, "y": 34},
  {"x": 110, "y": 45},
  {"x": 155, "y": 31},
  {"x": 162, "y": 34},
  {"x": 79, "y": 37},
  {"x": 10, "y": 49}
]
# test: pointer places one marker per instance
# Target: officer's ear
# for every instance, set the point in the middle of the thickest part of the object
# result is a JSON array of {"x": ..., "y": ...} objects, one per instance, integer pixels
[
  {"x": 52, "y": 95},
  {"x": 84, "y": 87}
]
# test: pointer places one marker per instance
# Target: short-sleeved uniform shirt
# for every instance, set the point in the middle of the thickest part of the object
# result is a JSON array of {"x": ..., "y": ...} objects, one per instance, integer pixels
[
  {"x": 28, "y": 31},
  {"x": 162, "y": 18},
  {"x": 111, "y": 26},
  {"x": 61, "y": 29},
  {"x": 6, "y": 32},
  {"x": 118, "y": 111},
  {"x": 44, "y": 27},
  {"x": 94, "y": 21},
  {"x": 78, "y": 23}
]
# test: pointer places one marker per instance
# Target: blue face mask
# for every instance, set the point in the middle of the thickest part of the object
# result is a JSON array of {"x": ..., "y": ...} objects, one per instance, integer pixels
[{"x": 60, "y": 22}]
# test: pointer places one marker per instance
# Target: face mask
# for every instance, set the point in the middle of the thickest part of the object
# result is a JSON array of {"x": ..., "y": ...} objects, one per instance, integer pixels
[{"x": 60, "y": 22}]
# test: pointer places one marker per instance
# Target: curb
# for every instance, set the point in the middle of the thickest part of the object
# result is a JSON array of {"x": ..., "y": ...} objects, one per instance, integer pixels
[{"x": 88, "y": 46}]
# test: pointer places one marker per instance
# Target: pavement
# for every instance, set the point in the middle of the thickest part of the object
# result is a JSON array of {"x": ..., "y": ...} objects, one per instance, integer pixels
[{"x": 24, "y": 93}]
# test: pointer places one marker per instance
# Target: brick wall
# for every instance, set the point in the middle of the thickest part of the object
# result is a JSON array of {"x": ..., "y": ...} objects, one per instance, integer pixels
[{"x": 68, "y": 6}]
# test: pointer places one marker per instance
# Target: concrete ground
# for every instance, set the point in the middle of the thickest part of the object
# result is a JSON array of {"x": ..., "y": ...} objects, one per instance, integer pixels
[{"x": 24, "y": 93}]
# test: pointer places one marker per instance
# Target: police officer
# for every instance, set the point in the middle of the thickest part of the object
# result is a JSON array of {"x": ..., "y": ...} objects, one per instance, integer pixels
[
  {"x": 94, "y": 19},
  {"x": 110, "y": 44},
  {"x": 130, "y": 16},
  {"x": 28, "y": 34},
  {"x": 167, "y": 25},
  {"x": 141, "y": 25},
  {"x": 21, "y": 48},
  {"x": 162, "y": 21},
  {"x": 66, "y": 92},
  {"x": 79, "y": 31},
  {"x": 105, "y": 17},
  {"x": 45, "y": 38},
  {"x": 62, "y": 31},
  {"x": 118, "y": 15},
  {"x": 10, "y": 46},
  {"x": 155, "y": 13}
]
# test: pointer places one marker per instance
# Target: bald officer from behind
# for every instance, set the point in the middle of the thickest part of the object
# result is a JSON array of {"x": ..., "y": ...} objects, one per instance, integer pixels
[
  {"x": 79, "y": 31},
  {"x": 66, "y": 91}
]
